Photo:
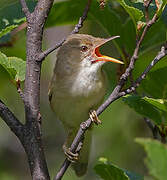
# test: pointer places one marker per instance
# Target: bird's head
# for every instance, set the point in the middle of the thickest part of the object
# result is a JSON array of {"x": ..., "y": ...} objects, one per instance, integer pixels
[{"x": 81, "y": 50}]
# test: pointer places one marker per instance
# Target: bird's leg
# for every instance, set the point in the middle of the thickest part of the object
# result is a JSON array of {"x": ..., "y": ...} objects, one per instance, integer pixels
[
  {"x": 94, "y": 117},
  {"x": 72, "y": 157}
]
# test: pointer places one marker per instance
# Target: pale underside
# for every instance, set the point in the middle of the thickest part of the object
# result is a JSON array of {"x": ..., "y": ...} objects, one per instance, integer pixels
[
  {"x": 77, "y": 86},
  {"x": 72, "y": 101}
]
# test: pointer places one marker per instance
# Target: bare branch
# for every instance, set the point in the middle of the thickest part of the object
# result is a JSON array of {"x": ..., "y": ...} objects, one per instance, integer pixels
[
  {"x": 14, "y": 124},
  {"x": 26, "y": 136},
  {"x": 115, "y": 94},
  {"x": 25, "y": 8},
  {"x": 149, "y": 123},
  {"x": 135, "y": 54},
  {"x": 32, "y": 141},
  {"x": 153, "y": 128},
  {"x": 146, "y": 5},
  {"x": 7, "y": 44},
  {"x": 30, "y": 133},
  {"x": 82, "y": 18},
  {"x": 74, "y": 31},
  {"x": 19, "y": 90},
  {"x": 162, "y": 133},
  {"x": 155, "y": 132},
  {"x": 131, "y": 89}
]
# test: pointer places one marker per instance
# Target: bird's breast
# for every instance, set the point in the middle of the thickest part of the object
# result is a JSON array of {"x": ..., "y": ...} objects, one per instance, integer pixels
[
  {"x": 76, "y": 96},
  {"x": 87, "y": 84}
]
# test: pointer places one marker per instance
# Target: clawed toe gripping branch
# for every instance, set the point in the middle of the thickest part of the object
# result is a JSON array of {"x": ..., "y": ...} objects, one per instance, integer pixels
[{"x": 29, "y": 133}]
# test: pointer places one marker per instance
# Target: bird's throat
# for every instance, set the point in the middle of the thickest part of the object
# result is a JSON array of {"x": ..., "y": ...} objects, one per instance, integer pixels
[{"x": 89, "y": 80}]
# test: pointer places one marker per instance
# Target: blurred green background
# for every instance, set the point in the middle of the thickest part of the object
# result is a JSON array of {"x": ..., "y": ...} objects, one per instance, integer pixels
[{"x": 114, "y": 139}]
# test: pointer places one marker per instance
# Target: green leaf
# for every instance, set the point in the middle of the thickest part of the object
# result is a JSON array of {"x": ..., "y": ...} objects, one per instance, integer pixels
[
  {"x": 129, "y": 43},
  {"x": 109, "y": 20},
  {"x": 143, "y": 108},
  {"x": 13, "y": 17},
  {"x": 65, "y": 12},
  {"x": 7, "y": 30},
  {"x": 162, "y": 4},
  {"x": 12, "y": 10},
  {"x": 158, "y": 103},
  {"x": 20, "y": 66},
  {"x": 73, "y": 9},
  {"x": 153, "y": 38},
  {"x": 156, "y": 160},
  {"x": 145, "y": 59},
  {"x": 20, "y": 20},
  {"x": 5, "y": 21},
  {"x": 14, "y": 66},
  {"x": 134, "y": 13},
  {"x": 109, "y": 171},
  {"x": 155, "y": 84}
]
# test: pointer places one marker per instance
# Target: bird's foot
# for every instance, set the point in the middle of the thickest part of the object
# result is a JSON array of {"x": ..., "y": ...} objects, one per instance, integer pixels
[
  {"x": 72, "y": 157},
  {"x": 94, "y": 117}
]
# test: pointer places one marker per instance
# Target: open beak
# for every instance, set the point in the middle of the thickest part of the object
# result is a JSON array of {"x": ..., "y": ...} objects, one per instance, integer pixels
[{"x": 99, "y": 56}]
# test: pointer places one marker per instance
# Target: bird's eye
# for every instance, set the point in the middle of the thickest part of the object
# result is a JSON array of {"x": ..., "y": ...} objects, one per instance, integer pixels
[{"x": 84, "y": 48}]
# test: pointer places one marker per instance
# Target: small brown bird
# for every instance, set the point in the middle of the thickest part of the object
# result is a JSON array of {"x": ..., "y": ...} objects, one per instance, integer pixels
[{"x": 78, "y": 86}]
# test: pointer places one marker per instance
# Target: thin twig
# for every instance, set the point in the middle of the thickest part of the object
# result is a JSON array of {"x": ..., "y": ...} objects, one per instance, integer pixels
[
  {"x": 126, "y": 74},
  {"x": 163, "y": 139},
  {"x": 155, "y": 132},
  {"x": 149, "y": 123},
  {"x": 19, "y": 90},
  {"x": 25, "y": 8},
  {"x": 146, "y": 5},
  {"x": 153, "y": 128},
  {"x": 13, "y": 123},
  {"x": 82, "y": 18},
  {"x": 135, "y": 54},
  {"x": 74, "y": 31},
  {"x": 13, "y": 33},
  {"x": 131, "y": 89},
  {"x": 133, "y": 59},
  {"x": 7, "y": 44},
  {"x": 19, "y": 28},
  {"x": 162, "y": 133}
]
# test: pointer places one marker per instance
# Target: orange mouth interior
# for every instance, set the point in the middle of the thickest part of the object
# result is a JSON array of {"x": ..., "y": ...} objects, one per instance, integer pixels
[{"x": 101, "y": 57}]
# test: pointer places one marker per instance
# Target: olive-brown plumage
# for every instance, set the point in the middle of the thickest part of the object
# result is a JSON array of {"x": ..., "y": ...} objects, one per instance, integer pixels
[{"x": 78, "y": 85}]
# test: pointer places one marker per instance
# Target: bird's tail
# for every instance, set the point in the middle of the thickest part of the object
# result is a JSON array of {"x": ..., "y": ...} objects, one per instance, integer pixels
[{"x": 80, "y": 167}]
